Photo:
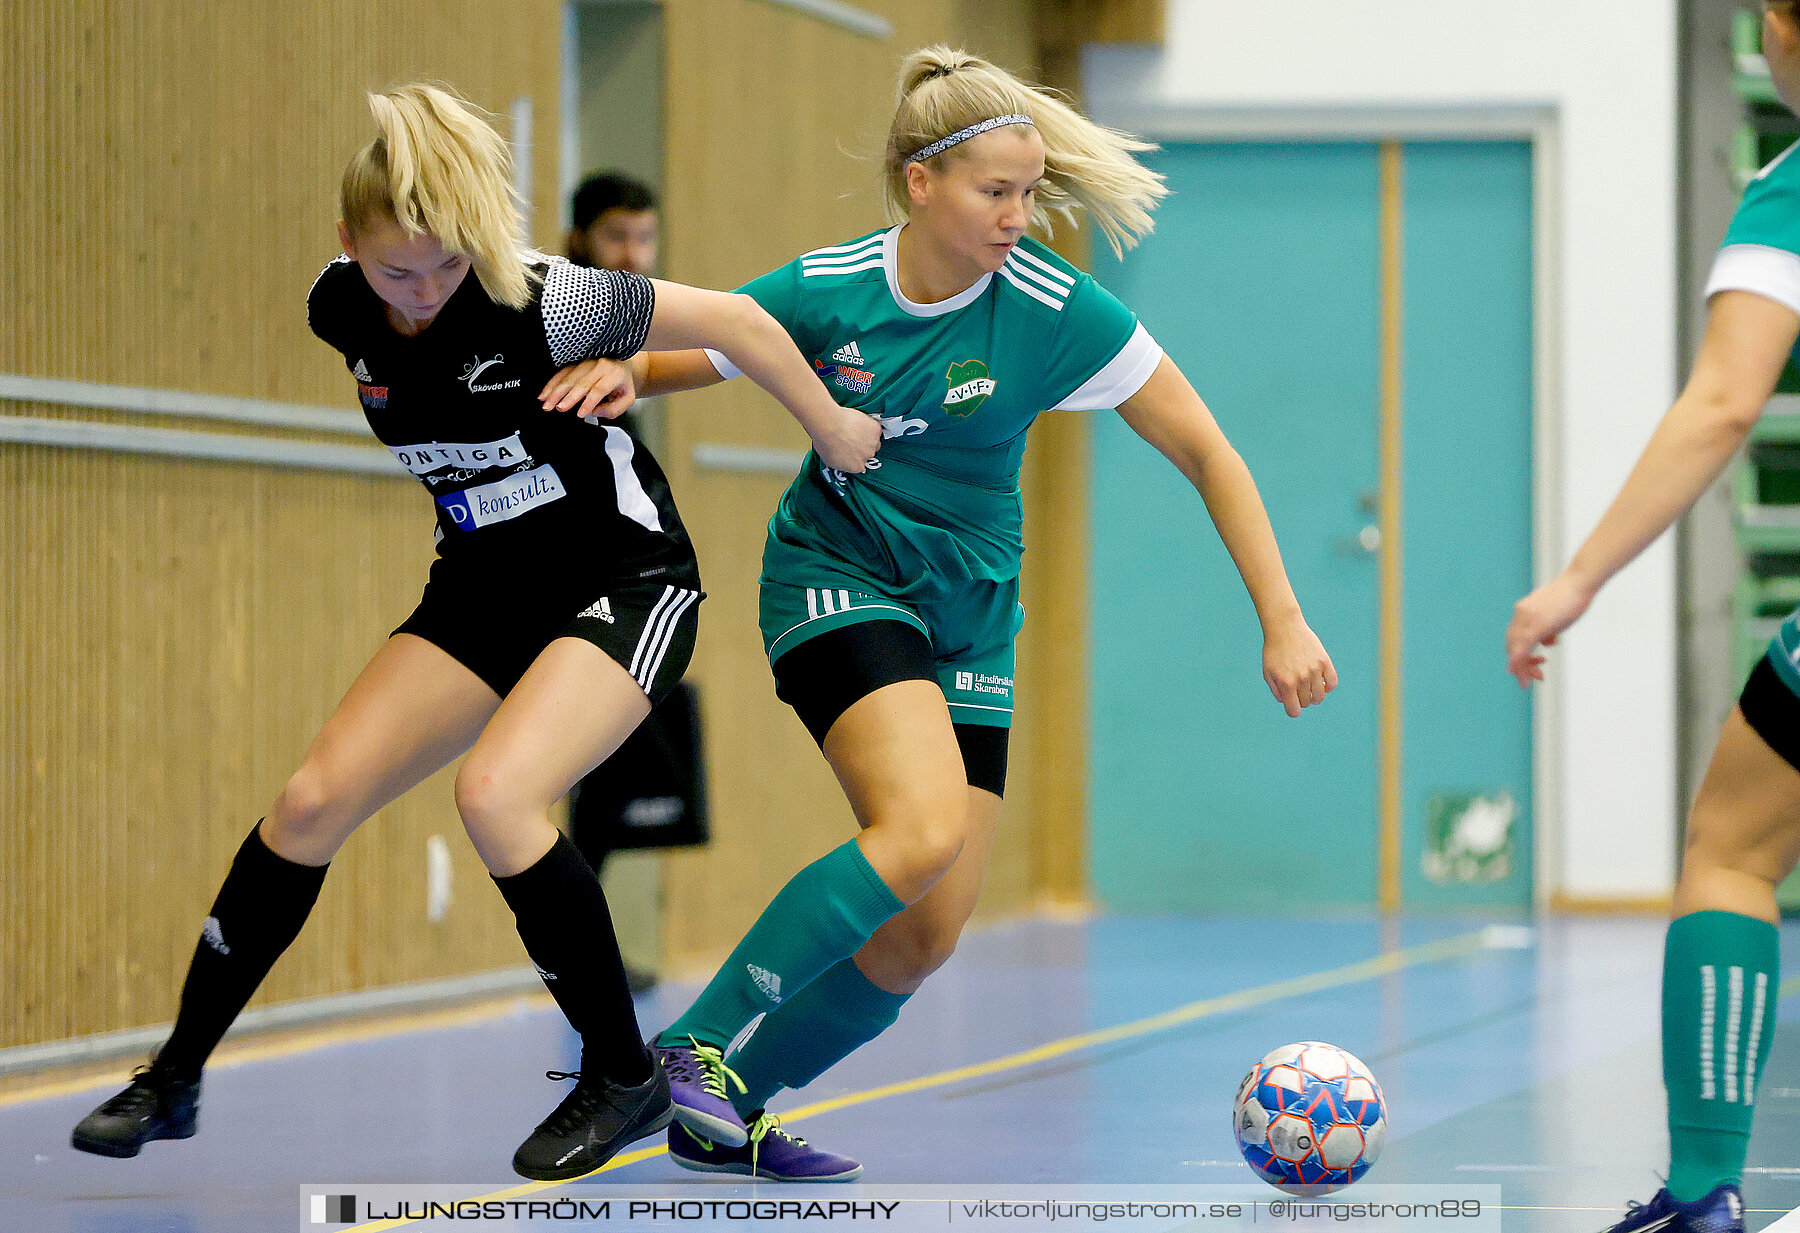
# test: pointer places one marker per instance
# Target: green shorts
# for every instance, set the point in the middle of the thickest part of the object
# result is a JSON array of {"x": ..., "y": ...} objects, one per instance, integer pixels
[{"x": 970, "y": 624}]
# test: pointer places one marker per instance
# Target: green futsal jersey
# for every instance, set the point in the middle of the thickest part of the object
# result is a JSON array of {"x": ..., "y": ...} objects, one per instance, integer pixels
[{"x": 955, "y": 384}]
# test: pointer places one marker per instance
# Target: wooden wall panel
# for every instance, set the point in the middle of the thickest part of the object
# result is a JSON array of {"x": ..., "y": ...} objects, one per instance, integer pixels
[
  {"x": 174, "y": 631},
  {"x": 172, "y": 187}
]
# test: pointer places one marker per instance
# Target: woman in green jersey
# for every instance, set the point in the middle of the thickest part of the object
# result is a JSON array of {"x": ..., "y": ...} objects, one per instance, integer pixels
[
  {"x": 890, "y": 598},
  {"x": 1720, "y": 964}
]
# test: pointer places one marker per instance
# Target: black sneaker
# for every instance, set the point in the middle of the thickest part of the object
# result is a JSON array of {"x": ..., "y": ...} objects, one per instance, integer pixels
[
  {"x": 155, "y": 1106},
  {"x": 591, "y": 1124}
]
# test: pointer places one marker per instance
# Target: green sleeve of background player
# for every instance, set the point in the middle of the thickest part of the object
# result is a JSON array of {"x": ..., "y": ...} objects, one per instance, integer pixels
[
  {"x": 1761, "y": 253},
  {"x": 1770, "y": 212}
]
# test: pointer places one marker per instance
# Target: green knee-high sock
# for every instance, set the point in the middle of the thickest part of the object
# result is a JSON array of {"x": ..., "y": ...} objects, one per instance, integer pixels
[
  {"x": 1720, "y": 972},
  {"x": 811, "y": 1032},
  {"x": 825, "y": 913}
]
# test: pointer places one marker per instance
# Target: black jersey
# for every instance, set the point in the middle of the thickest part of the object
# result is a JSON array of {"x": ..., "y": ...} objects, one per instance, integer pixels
[{"x": 457, "y": 405}]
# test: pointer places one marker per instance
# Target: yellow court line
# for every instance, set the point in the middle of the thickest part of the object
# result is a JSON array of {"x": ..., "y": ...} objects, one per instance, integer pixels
[
  {"x": 1349, "y": 974},
  {"x": 1788, "y": 987},
  {"x": 305, "y": 1041}
]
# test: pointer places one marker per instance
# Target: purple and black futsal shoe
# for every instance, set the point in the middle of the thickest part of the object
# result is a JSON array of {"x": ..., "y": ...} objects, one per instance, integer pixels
[
  {"x": 1721, "y": 1211},
  {"x": 154, "y": 1106},
  {"x": 772, "y": 1154},
  {"x": 697, "y": 1078},
  {"x": 591, "y": 1124}
]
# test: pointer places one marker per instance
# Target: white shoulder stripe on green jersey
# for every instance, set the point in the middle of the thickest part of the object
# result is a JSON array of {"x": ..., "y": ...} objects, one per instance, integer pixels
[
  {"x": 1778, "y": 160},
  {"x": 853, "y": 246},
  {"x": 872, "y": 263},
  {"x": 1006, "y": 272},
  {"x": 1054, "y": 288},
  {"x": 867, "y": 250},
  {"x": 827, "y": 264},
  {"x": 1045, "y": 266}
]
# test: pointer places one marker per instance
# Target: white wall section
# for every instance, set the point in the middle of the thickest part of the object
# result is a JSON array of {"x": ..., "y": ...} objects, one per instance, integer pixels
[{"x": 1596, "y": 83}]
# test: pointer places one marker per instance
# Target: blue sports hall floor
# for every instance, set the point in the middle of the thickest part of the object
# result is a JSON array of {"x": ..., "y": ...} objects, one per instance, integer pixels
[{"x": 1104, "y": 1051}]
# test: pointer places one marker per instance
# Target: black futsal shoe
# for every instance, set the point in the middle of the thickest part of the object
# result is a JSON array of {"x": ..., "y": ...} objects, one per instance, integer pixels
[
  {"x": 591, "y": 1124},
  {"x": 155, "y": 1106}
]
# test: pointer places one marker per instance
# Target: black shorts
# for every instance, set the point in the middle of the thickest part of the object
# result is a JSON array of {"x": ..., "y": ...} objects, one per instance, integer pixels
[
  {"x": 1772, "y": 711},
  {"x": 824, "y": 676},
  {"x": 496, "y": 623}
]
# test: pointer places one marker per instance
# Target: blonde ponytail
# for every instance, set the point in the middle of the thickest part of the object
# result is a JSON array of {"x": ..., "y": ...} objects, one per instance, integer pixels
[
  {"x": 1086, "y": 166},
  {"x": 438, "y": 167}
]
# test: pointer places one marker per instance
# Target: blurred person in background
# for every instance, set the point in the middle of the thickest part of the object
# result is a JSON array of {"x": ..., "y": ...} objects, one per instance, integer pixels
[
  {"x": 613, "y": 224},
  {"x": 656, "y": 775}
]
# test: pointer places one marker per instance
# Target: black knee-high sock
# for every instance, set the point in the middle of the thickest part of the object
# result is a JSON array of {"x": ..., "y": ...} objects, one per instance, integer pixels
[
  {"x": 568, "y": 933},
  {"x": 261, "y": 906}
]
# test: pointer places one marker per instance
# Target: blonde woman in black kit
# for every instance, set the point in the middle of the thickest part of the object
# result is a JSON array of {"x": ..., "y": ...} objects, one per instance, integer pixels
[{"x": 561, "y": 604}]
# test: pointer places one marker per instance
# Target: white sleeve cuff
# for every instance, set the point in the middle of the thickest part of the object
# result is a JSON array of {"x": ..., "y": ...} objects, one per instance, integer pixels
[
  {"x": 1770, "y": 272},
  {"x": 726, "y": 368},
  {"x": 1123, "y": 376}
]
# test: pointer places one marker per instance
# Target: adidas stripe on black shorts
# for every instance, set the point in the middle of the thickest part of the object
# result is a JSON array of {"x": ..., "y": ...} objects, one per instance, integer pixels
[{"x": 496, "y": 624}]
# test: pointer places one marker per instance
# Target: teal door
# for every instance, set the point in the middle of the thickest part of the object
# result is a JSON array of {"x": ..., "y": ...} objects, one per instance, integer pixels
[
  {"x": 1466, "y": 555},
  {"x": 1264, "y": 281}
]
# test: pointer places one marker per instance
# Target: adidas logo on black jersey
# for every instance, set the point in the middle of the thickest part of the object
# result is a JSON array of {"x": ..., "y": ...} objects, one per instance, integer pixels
[
  {"x": 601, "y": 608},
  {"x": 847, "y": 354},
  {"x": 361, "y": 372}
]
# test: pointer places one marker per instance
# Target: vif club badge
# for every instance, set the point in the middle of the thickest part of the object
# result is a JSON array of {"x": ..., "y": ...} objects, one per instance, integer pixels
[{"x": 970, "y": 386}]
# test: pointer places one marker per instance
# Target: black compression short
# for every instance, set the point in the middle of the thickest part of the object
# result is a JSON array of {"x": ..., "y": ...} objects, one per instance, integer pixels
[
  {"x": 824, "y": 676},
  {"x": 1772, "y": 711}
]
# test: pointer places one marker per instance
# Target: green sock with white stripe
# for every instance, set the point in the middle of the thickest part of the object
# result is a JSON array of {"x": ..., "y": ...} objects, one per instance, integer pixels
[
  {"x": 1720, "y": 972},
  {"x": 808, "y": 1034},
  {"x": 824, "y": 914}
]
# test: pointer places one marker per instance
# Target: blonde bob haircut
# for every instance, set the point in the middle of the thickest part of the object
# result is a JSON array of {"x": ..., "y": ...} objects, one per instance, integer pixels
[
  {"x": 437, "y": 167},
  {"x": 1086, "y": 166}
]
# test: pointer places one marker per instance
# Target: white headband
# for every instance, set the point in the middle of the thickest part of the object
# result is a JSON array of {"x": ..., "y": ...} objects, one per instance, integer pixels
[{"x": 974, "y": 130}]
